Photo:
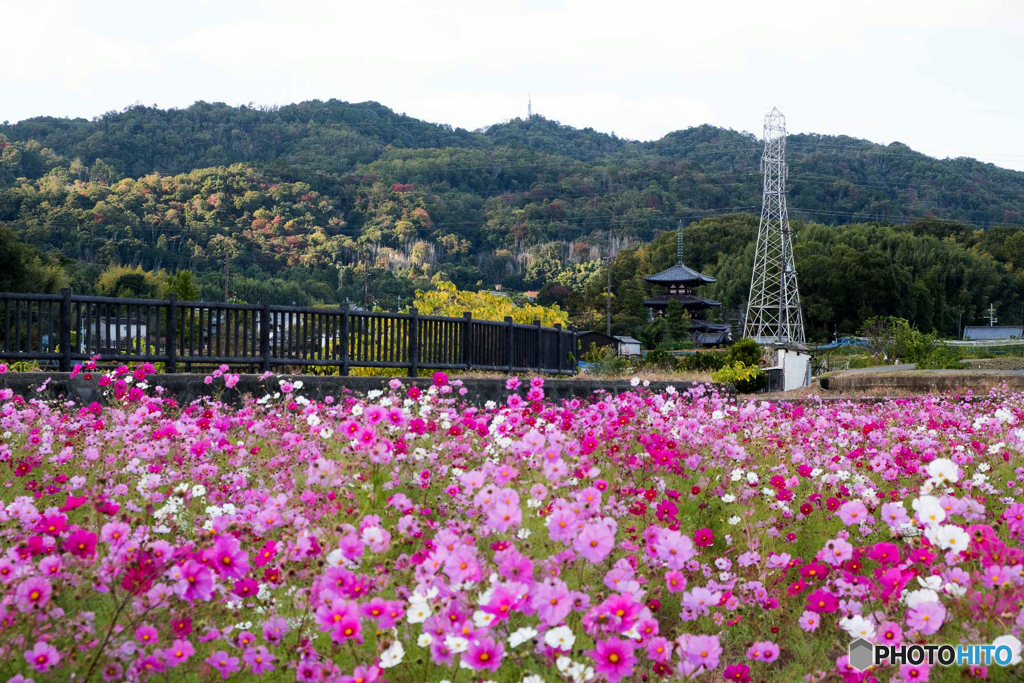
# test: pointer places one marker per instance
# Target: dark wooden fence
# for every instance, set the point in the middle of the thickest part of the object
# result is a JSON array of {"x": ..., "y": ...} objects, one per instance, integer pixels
[{"x": 59, "y": 329}]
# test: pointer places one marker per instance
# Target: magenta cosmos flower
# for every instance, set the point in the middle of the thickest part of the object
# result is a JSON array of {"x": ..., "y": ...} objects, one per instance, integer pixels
[
  {"x": 483, "y": 653},
  {"x": 703, "y": 538},
  {"x": 228, "y": 557},
  {"x": 613, "y": 658},
  {"x": 737, "y": 673}
]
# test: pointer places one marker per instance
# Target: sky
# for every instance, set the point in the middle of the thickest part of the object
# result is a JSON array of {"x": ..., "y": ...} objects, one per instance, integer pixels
[{"x": 942, "y": 77}]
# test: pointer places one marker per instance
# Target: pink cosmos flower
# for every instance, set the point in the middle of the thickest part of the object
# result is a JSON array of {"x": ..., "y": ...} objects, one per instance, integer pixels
[
  {"x": 763, "y": 651},
  {"x": 552, "y": 602},
  {"x": 178, "y": 653},
  {"x": 33, "y": 593},
  {"x": 228, "y": 558},
  {"x": 42, "y": 656},
  {"x": 703, "y": 651},
  {"x": 613, "y": 658},
  {"x": 224, "y": 663},
  {"x": 926, "y": 617},
  {"x": 484, "y": 653},
  {"x": 196, "y": 582},
  {"x": 594, "y": 542},
  {"x": 853, "y": 512},
  {"x": 809, "y": 621},
  {"x": 258, "y": 660}
]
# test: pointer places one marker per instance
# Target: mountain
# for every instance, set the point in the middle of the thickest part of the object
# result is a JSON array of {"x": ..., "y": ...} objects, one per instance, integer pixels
[{"x": 301, "y": 195}]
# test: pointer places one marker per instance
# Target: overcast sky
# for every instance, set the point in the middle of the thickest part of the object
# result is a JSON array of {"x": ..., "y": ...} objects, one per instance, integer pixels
[{"x": 942, "y": 77}]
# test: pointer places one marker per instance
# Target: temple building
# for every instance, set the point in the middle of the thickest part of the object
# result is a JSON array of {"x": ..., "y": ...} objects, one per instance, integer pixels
[{"x": 680, "y": 283}]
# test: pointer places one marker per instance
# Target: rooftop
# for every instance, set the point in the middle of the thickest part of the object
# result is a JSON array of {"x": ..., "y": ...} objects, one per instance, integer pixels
[
  {"x": 978, "y": 332},
  {"x": 679, "y": 273}
]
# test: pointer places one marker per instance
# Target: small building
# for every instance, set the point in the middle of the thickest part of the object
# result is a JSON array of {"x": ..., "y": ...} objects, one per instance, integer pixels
[
  {"x": 628, "y": 346},
  {"x": 792, "y": 368},
  {"x": 598, "y": 339},
  {"x": 992, "y": 332}
]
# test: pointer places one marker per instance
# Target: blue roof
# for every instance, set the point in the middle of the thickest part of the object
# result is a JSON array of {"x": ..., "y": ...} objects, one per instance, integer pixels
[{"x": 980, "y": 332}]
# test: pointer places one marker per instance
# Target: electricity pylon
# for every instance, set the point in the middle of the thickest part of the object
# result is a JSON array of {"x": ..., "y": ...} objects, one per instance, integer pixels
[{"x": 773, "y": 308}]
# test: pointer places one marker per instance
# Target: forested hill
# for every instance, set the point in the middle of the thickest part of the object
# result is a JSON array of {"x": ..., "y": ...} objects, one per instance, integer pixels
[
  {"x": 831, "y": 177},
  {"x": 304, "y": 199}
]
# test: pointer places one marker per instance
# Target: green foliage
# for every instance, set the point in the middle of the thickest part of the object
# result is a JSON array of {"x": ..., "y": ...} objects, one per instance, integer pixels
[
  {"x": 702, "y": 361},
  {"x": 745, "y": 351},
  {"x": 24, "y": 269},
  {"x": 746, "y": 378},
  {"x": 130, "y": 283},
  {"x": 182, "y": 285}
]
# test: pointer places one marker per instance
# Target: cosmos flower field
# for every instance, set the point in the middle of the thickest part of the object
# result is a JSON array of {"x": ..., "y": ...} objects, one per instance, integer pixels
[{"x": 410, "y": 537}]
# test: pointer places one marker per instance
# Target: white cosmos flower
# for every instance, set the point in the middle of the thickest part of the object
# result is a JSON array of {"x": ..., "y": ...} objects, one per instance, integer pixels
[
  {"x": 948, "y": 537},
  {"x": 482, "y": 619},
  {"x": 392, "y": 656},
  {"x": 944, "y": 469},
  {"x": 734, "y": 520},
  {"x": 913, "y": 598},
  {"x": 425, "y": 640},
  {"x": 560, "y": 638},
  {"x": 931, "y": 582},
  {"x": 520, "y": 636},
  {"x": 929, "y": 510},
  {"x": 1013, "y": 643},
  {"x": 419, "y": 610},
  {"x": 858, "y": 627},
  {"x": 456, "y": 644}
]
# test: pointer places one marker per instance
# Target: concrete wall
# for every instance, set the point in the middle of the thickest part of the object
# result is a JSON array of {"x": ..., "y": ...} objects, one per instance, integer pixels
[
  {"x": 924, "y": 381},
  {"x": 188, "y": 387}
]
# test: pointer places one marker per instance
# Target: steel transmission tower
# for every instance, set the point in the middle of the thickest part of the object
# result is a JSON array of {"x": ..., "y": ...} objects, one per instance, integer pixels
[{"x": 773, "y": 308}]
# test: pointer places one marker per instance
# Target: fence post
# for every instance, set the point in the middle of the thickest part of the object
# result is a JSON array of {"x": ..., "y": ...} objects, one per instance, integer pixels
[
  {"x": 467, "y": 339},
  {"x": 575, "y": 349},
  {"x": 510, "y": 333},
  {"x": 414, "y": 342},
  {"x": 64, "y": 335},
  {"x": 344, "y": 338},
  {"x": 558, "y": 349},
  {"x": 171, "y": 334},
  {"x": 536, "y": 350},
  {"x": 265, "y": 335}
]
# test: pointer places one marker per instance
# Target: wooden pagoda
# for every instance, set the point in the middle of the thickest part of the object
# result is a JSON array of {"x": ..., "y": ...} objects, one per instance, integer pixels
[{"x": 680, "y": 283}]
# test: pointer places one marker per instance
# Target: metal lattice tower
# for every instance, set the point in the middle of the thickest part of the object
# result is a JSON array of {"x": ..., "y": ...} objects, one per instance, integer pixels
[{"x": 773, "y": 309}]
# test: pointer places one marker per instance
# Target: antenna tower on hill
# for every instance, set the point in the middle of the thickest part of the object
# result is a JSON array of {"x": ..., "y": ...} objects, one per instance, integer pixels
[{"x": 773, "y": 308}]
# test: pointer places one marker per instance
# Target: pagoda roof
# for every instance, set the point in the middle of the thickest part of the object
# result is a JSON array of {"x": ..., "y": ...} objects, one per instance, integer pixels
[
  {"x": 687, "y": 300},
  {"x": 707, "y": 326},
  {"x": 679, "y": 273}
]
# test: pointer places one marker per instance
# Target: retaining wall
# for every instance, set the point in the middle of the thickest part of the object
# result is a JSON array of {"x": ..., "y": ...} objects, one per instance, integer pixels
[{"x": 924, "y": 381}]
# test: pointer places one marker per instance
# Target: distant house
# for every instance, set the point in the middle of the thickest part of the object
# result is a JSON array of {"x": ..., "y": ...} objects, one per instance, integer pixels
[
  {"x": 992, "y": 333},
  {"x": 531, "y": 295},
  {"x": 597, "y": 339},
  {"x": 628, "y": 346}
]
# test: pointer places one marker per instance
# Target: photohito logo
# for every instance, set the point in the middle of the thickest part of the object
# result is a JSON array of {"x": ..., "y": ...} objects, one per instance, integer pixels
[{"x": 864, "y": 654}]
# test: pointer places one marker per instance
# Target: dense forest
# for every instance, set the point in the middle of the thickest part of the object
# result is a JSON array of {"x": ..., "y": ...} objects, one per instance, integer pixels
[{"x": 322, "y": 202}]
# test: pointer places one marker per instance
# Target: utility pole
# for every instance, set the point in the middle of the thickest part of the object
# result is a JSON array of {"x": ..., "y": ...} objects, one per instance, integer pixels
[
  {"x": 227, "y": 277},
  {"x": 992, "y": 319},
  {"x": 608, "y": 292},
  {"x": 773, "y": 307}
]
